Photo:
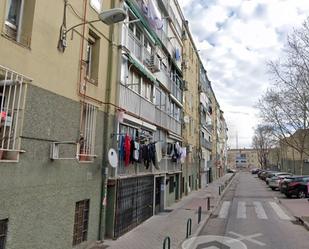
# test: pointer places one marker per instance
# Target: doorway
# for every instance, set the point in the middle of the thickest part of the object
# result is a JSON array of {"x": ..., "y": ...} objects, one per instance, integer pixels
[{"x": 159, "y": 195}]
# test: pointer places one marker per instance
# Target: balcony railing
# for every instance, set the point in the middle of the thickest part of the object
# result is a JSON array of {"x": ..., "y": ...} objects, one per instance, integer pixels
[
  {"x": 206, "y": 144},
  {"x": 166, "y": 165},
  {"x": 164, "y": 120},
  {"x": 133, "y": 102},
  {"x": 135, "y": 46}
]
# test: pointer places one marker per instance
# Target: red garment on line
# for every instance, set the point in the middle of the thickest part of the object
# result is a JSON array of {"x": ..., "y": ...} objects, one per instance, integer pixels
[{"x": 127, "y": 149}]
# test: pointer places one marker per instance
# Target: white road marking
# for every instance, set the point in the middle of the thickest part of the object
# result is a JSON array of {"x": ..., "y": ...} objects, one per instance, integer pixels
[
  {"x": 224, "y": 209},
  {"x": 249, "y": 238},
  {"x": 282, "y": 215},
  {"x": 241, "y": 210},
  {"x": 260, "y": 212}
]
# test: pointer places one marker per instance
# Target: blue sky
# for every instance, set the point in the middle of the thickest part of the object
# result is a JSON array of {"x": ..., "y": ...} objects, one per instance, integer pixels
[{"x": 236, "y": 39}]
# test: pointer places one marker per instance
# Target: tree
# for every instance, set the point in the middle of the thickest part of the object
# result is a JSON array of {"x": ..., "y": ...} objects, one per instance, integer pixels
[
  {"x": 262, "y": 142},
  {"x": 284, "y": 107}
]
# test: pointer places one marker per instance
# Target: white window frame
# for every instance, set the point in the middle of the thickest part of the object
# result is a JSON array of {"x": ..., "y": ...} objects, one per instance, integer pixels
[
  {"x": 17, "y": 26},
  {"x": 13, "y": 88},
  {"x": 87, "y": 132}
]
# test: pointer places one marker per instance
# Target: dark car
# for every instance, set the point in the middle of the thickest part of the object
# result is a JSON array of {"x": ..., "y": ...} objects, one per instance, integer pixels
[
  {"x": 255, "y": 171},
  {"x": 295, "y": 186},
  {"x": 260, "y": 174}
]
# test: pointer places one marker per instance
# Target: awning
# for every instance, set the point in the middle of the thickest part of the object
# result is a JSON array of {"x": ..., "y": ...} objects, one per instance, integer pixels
[
  {"x": 174, "y": 136},
  {"x": 142, "y": 68}
]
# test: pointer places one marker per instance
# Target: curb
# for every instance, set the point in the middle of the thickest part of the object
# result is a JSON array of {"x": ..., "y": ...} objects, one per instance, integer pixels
[
  {"x": 303, "y": 222},
  {"x": 208, "y": 215}
]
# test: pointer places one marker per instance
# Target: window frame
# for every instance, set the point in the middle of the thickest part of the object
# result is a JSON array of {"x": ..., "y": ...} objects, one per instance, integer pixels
[
  {"x": 93, "y": 6},
  {"x": 80, "y": 229},
  {"x": 87, "y": 132}
]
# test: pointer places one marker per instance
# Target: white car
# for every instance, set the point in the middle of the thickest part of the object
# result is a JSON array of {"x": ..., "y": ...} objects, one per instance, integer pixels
[{"x": 275, "y": 180}]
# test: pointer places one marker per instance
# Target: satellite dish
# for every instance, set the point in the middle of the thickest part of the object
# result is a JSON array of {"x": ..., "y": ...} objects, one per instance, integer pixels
[{"x": 113, "y": 158}]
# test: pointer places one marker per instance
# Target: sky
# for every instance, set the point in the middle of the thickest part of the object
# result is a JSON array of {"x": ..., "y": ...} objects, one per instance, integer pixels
[{"x": 236, "y": 39}]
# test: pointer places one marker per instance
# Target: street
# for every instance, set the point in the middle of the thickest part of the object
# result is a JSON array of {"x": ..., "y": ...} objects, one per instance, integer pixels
[{"x": 249, "y": 213}]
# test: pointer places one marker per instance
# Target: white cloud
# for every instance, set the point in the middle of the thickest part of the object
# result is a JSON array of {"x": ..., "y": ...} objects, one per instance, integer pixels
[{"x": 236, "y": 39}]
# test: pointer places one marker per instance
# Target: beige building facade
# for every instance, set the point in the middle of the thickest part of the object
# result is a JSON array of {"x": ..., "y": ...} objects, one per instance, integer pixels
[
  {"x": 53, "y": 114},
  {"x": 242, "y": 158}
]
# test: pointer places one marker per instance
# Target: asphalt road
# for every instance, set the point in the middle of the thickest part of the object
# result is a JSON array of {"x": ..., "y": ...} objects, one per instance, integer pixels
[{"x": 249, "y": 213}]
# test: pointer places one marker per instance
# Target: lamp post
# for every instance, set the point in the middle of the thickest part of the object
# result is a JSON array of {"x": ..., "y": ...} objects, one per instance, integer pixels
[{"x": 108, "y": 17}]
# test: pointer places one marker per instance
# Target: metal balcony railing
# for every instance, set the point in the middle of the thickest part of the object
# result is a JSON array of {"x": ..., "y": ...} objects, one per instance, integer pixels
[
  {"x": 205, "y": 143},
  {"x": 134, "y": 103}
]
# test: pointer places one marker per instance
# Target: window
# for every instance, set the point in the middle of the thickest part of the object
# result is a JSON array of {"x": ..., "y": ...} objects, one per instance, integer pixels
[
  {"x": 134, "y": 81},
  {"x": 96, "y": 4},
  {"x": 93, "y": 55},
  {"x": 19, "y": 20},
  {"x": 3, "y": 232},
  {"x": 81, "y": 218},
  {"x": 171, "y": 184},
  {"x": 12, "y": 94},
  {"x": 87, "y": 134},
  {"x": 146, "y": 90}
]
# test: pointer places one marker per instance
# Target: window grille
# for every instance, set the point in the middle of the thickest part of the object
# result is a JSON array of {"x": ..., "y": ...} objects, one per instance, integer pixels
[
  {"x": 80, "y": 231},
  {"x": 87, "y": 136},
  {"x": 3, "y": 232},
  {"x": 12, "y": 94}
]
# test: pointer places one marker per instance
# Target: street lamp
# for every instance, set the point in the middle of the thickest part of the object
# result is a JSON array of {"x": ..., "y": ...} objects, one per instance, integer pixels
[{"x": 108, "y": 17}]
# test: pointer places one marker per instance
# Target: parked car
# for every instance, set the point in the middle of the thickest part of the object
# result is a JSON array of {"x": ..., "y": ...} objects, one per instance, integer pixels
[
  {"x": 265, "y": 174},
  {"x": 270, "y": 175},
  {"x": 260, "y": 173},
  {"x": 255, "y": 171},
  {"x": 274, "y": 182},
  {"x": 295, "y": 186},
  {"x": 231, "y": 170}
]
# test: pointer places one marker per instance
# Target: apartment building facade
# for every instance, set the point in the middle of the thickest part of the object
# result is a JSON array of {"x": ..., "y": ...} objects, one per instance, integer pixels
[
  {"x": 190, "y": 132},
  {"x": 53, "y": 87},
  {"x": 151, "y": 99},
  {"x": 206, "y": 127}
]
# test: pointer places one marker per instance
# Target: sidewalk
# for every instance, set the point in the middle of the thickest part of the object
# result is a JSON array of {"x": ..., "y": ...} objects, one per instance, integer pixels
[
  {"x": 299, "y": 208},
  {"x": 152, "y": 232}
]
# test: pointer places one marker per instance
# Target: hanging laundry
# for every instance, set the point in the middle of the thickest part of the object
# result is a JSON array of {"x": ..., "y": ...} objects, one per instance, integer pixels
[
  {"x": 177, "y": 150},
  {"x": 131, "y": 151},
  {"x": 127, "y": 149},
  {"x": 154, "y": 15},
  {"x": 121, "y": 148},
  {"x": 177, "y": 54},
  {"x": 146, "y": 156},
  {"x": 152, "y": 154},
  {"x": 136, "y": 151},
  {"x": 183, "y": 154},
  {"x": 158, "y": 151}
]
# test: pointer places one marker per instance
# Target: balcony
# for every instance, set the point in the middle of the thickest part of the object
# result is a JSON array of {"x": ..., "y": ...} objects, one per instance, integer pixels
[
  {"x": 171, "y": 85},
  {"x": 134, "y": 45},
  {"x": 134, "y": 103},
  {"x": 205, "y": 143},
  {"x": 166, "y": 165},
  {"x": 164, "y": 120}
]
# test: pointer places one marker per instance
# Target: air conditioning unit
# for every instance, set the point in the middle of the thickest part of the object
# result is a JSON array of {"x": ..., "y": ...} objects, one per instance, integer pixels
[
  {"x": 306, "y": 160},
  {"x": 185, "y": 86},
  {"x": 154, "y": 63}
]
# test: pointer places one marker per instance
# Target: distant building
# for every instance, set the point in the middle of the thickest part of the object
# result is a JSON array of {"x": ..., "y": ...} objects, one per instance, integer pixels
[{"x": 242, "y": 158}]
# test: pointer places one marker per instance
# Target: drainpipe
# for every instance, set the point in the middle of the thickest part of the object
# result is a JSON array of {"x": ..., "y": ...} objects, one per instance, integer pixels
[{"x": 109, "y": 121}]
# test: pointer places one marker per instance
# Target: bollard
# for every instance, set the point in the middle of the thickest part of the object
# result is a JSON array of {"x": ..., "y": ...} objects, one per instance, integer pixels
[
  {"x": 168, "y": 241},
  {"x": 208, "y": 203},
  {"x": 199, "y": 215},
  {"x": 189, "y": 226},
  {"x": 219, "y": 190}
]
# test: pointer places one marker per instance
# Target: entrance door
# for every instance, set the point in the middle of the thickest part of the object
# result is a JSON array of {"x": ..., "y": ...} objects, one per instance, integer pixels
[
  {"x": 158, "y": 195},
  {"x": 177, "y": 188}
]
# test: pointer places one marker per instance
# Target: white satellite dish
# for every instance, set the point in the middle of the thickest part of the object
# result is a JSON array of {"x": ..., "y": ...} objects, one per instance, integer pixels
[{"x": 113, "y": 158}]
